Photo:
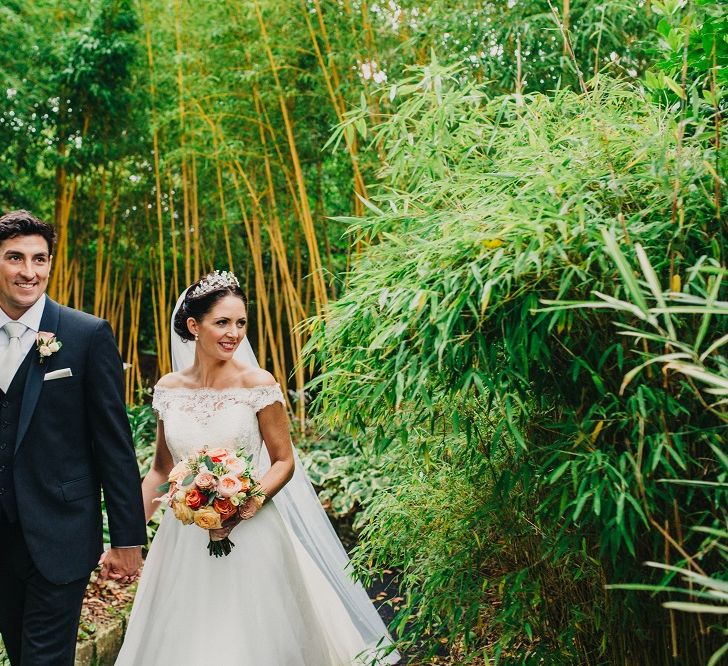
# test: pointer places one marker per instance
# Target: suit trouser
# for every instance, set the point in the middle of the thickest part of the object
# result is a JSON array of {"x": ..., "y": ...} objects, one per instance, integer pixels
[{"x": 38, "y": 619}]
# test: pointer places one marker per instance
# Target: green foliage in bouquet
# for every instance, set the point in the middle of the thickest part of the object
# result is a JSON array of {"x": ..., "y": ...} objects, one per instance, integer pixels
[{"x": 539, "y": 477}]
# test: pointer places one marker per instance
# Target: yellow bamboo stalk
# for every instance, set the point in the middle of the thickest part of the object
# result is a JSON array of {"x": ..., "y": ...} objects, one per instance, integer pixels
[
  {"x": 316, "y": 271},
  {"x": 160, "y": 283},
  {"x": 331, "y": 79},
  {"x": 182, "y": 124},
  {"x": 195, "y": 220},
  {"x": 106, "y": 294},
  {"x": 173, "y": 234},
  {"x": 264, "y": 322},
  {"x": 133, "y": 376},
  {"x": 100, "y": 247}
]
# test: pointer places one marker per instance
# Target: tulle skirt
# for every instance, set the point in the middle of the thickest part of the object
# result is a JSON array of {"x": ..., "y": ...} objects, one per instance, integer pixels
[{"x": 265, "y": 604}]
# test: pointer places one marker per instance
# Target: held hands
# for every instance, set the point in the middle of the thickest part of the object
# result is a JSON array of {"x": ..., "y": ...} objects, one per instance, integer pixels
[{"x": 121, "y": 564}]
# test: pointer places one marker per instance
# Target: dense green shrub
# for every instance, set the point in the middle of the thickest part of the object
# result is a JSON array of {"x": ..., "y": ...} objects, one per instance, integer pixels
[{"x": 487, "y": 208}]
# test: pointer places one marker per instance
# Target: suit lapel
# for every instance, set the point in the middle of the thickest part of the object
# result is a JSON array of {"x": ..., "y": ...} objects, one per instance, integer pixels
[{"x": 36, "y": 372}]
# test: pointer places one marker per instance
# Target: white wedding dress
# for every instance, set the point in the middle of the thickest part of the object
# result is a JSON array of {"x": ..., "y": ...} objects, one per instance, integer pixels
[{"x": 265, "y": 604}]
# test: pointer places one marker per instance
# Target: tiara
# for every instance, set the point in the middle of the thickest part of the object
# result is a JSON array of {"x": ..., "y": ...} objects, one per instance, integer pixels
[{"x": 214, "y": 281}]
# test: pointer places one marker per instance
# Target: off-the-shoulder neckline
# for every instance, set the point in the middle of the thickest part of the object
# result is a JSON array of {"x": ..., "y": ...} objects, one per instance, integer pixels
[{"x": 218, "y": 390}]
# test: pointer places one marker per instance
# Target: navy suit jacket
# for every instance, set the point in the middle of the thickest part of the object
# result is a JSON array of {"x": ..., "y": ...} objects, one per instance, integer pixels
[{"x": 73, "y": 439}]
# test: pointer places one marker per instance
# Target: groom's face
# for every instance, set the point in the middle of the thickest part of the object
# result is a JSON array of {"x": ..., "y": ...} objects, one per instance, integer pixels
[{"x": 25, "y": 265}]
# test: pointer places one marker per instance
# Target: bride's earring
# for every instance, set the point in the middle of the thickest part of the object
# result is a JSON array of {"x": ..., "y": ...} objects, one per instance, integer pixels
[{"x": 197, "y": 337}]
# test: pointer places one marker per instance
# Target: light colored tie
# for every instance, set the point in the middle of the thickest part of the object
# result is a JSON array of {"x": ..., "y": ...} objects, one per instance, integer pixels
[{"x": 11, "y": 358}]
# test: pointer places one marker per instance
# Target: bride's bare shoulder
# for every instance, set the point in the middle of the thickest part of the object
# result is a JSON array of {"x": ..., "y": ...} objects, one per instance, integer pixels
[
  {"x": 251, "y": 377},
  {"x": 173, "y": 380}
]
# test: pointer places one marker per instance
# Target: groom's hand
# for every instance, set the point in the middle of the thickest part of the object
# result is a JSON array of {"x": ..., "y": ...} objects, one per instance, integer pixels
[{"x": 121, "y": 564}]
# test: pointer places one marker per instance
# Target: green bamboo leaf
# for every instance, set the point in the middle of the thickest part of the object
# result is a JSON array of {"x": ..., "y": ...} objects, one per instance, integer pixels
[
  {"x": 713, "y": 346},
  {"x": 654, "y": 285},
  {"x": 674, "y": 86},
  {"x": 657, "y": 359},
  {"x": 690, "y": 607},
  {"x": 717, "y": 655},
  {"x": 699, "y": 373},
  {"x": 713, "y": 291},
  {"x": 628, "y": 278}
]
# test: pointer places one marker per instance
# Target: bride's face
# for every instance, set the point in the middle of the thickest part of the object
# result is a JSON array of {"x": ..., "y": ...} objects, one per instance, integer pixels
[{"x": 222, "y": 329}]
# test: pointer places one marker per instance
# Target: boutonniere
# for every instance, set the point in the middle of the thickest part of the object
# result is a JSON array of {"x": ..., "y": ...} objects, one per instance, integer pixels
[{"x": 46, "y": 344}]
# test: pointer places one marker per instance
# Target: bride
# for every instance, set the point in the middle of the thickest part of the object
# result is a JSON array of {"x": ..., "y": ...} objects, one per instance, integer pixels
[{"x": 282, "y": 597}]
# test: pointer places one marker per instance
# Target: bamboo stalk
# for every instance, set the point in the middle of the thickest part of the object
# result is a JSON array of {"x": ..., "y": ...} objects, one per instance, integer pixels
[
  {"x": 316, "y": 272},
  {"x": 162, "y": 348},
  {"x": 182, "y": 141},
  {"x": 100, "y": 247}
]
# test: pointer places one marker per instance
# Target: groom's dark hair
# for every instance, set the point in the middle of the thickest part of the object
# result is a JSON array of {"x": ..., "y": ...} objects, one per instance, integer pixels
[{"x": 22, "y": 223}]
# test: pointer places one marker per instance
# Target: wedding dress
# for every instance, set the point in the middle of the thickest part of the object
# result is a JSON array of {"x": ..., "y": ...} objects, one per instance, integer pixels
[{"x": 268, "y": 602}]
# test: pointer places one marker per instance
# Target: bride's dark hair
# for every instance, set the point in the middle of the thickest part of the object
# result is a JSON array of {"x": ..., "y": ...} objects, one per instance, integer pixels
[{"x": 198, "y": 306}]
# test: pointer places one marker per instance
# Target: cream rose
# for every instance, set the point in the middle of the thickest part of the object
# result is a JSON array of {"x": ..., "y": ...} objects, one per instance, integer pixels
[
  {"x": 208, "y": 519},
  {"x": 53, "y": 347},
  {"x": 44, "y": 350},
  {"x": 183, "y": 513},
  {"x": 228, "y": 485},
  {"x": 179, "y": 472},
  {"x": 234, "y": 465}
]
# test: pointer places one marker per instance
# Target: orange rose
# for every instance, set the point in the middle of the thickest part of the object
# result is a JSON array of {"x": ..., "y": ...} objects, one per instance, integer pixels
[
  {"x": 194, "y": 499},
  {"x": 224, "y": 507}
]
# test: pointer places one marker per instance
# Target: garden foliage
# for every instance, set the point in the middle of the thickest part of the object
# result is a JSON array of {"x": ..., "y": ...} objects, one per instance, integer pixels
[{"x": 521, "y": 466}]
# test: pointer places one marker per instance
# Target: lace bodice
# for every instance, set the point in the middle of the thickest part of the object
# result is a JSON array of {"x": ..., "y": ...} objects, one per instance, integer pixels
[{"x": 197, "y": 417}]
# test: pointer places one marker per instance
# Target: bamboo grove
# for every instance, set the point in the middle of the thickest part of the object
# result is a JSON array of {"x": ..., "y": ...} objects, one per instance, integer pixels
[
  {"x": 165, "y": 139},
  {"x": 484, "y": 244}
]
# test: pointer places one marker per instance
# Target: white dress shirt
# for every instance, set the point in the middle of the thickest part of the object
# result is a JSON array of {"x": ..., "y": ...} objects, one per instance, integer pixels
[{"x": 31, "y": 318}]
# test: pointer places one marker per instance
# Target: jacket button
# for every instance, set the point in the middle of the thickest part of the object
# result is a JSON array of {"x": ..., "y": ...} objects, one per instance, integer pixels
[
  {"x": 2, "y": 491},
  {"x": 2, "y": 468},
  {"x": 3, "y": 446}
]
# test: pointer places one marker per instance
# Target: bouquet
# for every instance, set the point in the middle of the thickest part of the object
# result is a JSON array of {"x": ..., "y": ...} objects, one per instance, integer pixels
[{"x": 211, "y": 488}]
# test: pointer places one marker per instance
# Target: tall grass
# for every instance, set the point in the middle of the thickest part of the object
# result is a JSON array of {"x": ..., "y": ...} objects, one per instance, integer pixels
[{"x": 518, "y": 464}]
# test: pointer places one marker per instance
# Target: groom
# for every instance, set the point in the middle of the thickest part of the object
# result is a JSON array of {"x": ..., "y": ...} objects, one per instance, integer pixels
[{"x": 63, "y": 435}]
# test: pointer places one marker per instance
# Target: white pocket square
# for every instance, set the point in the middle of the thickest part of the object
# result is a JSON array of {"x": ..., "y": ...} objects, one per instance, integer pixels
[{"x": 57, "y": 374}]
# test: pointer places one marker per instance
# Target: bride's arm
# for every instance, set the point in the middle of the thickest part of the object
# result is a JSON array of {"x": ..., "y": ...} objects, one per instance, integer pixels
[
  {"x": 273, "y": 424},
  {"x": 157, "y": 475}
]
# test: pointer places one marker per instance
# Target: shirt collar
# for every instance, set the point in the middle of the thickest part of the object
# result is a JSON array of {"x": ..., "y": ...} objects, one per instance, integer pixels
[{"x": 31, "y": 317}]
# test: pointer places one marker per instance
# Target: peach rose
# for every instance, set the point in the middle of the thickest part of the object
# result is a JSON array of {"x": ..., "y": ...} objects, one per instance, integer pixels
[
  {"x": 228, "y": 485},
  {"x": 194, "y": 499},
  {"x": 183, "y": 513},
  {"x": 225, "y": 508},
  {"x": 205, "y": 480},
  {"x": 245, "y": 484},
  {"x": 179, "y": 472},
  {"x": 208, "y": 519},
  {"x": 218, "y": 454}
]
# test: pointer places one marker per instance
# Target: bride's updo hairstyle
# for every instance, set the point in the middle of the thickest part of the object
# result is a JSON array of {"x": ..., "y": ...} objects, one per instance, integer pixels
[{"x": 202, "y": 295}]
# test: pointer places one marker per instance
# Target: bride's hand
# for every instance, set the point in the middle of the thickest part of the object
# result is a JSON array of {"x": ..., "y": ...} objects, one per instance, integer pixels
[
  {"x": 222, "y": 532},
  {"x": 251, "y": 507}
]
